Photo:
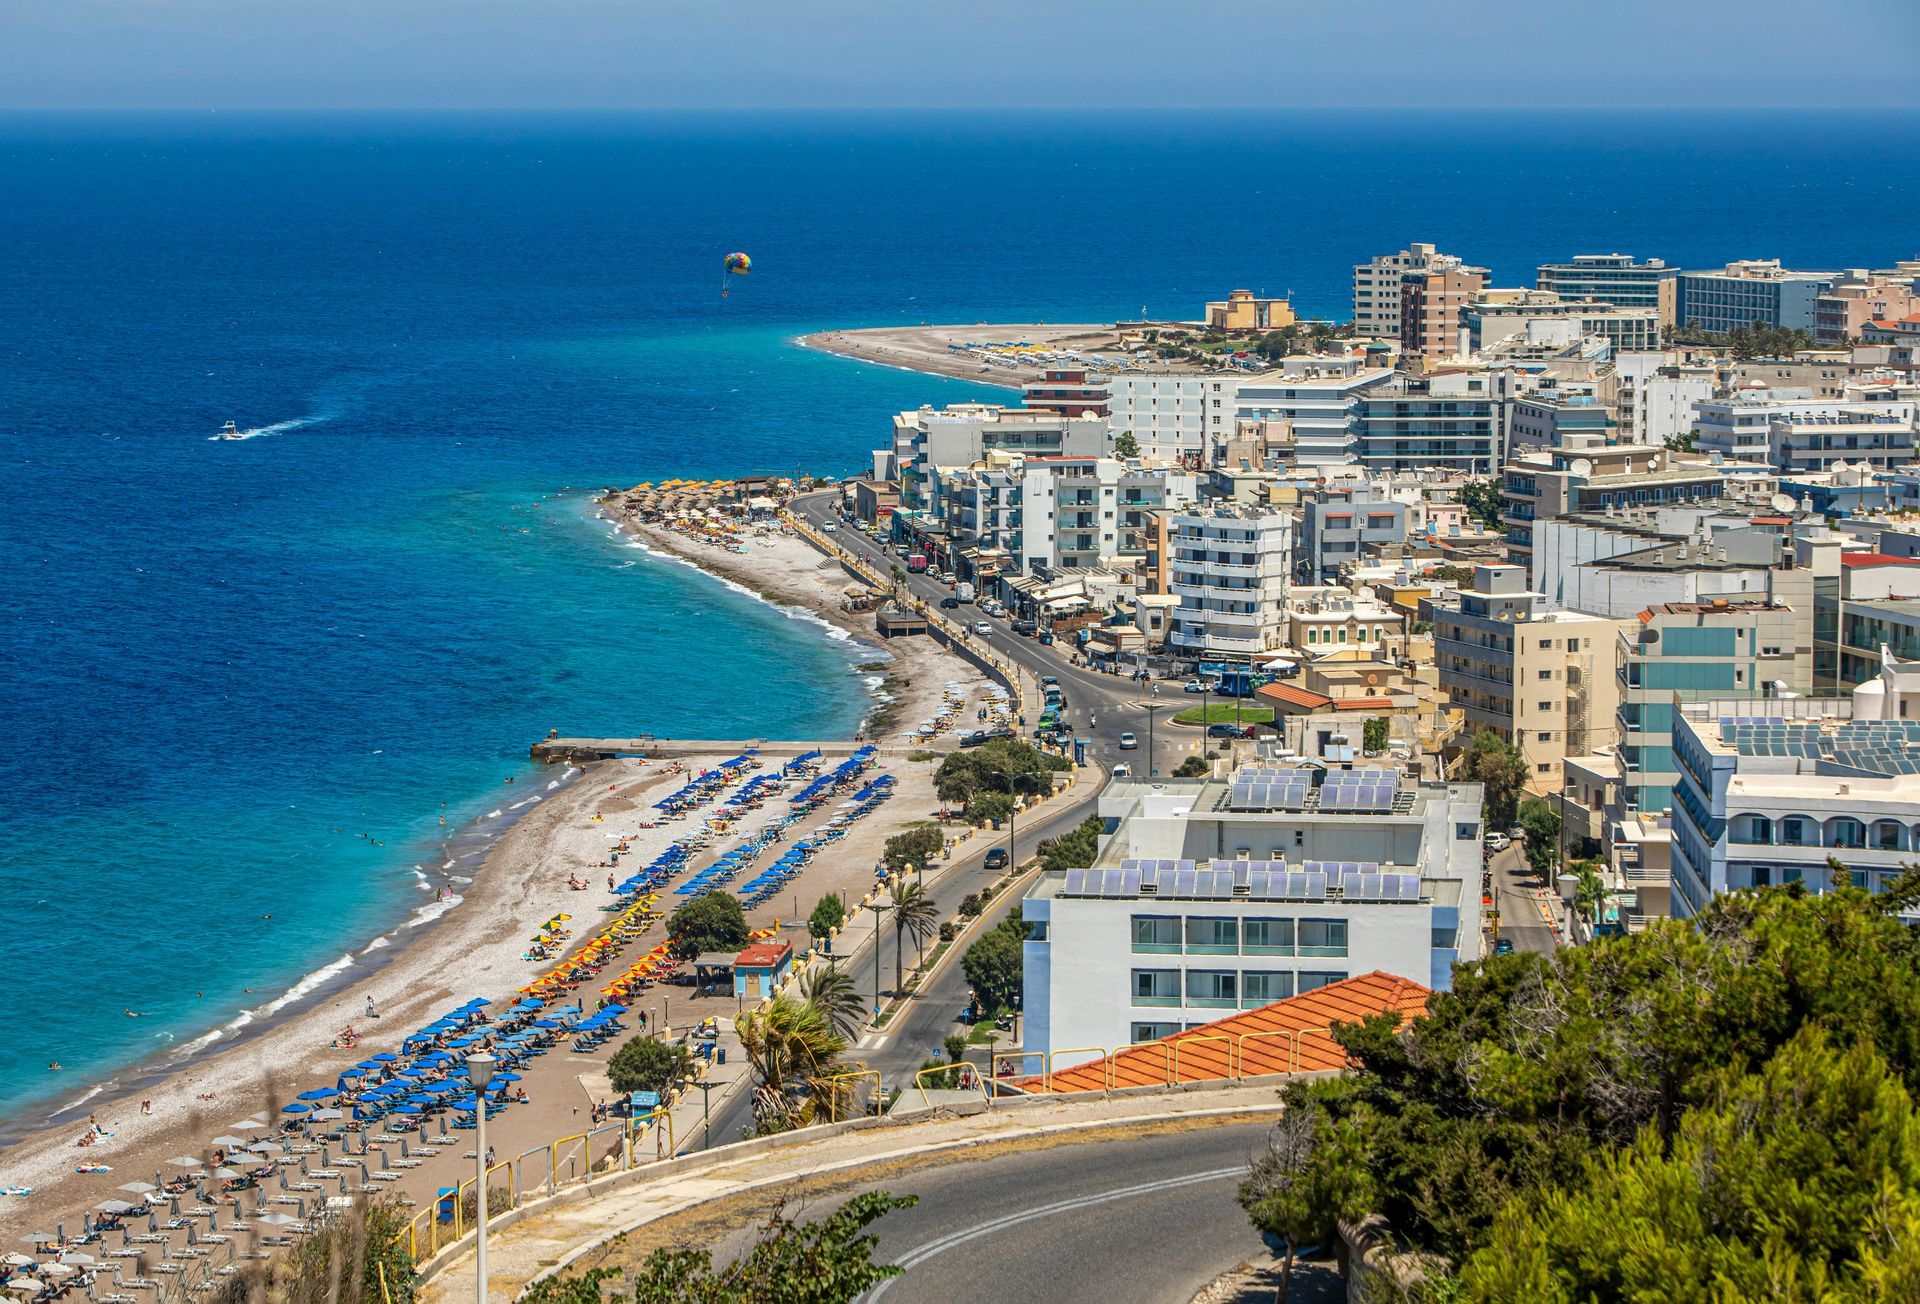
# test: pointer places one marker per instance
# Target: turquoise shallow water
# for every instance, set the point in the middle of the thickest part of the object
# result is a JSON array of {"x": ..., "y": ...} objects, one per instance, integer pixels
[{"x": 450, "y": 330}]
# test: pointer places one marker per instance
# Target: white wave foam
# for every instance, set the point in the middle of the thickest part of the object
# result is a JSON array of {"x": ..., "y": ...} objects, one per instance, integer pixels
[
  {"x": 201, "y": 1042},
  {"x": 277, "y": 428},
  {"x": 428, "y": 913},
  {"x": 553, "y": 785},
  {"x": 493, "y": 814},
  {"x": 75, "y": 1104},
  {"x": 521, "y": 804},
  {"x": 308, "y": 984},
  {"x": 374, "y": 945}
]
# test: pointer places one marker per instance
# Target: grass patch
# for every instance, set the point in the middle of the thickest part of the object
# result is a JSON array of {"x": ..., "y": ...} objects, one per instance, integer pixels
[
  {"x": 1226, "y": 713},
  {"x": 923, "y": 757}
]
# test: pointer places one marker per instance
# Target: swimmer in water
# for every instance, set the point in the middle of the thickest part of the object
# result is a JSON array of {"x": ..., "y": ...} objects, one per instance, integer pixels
[{"x": 135, "y": 1015}]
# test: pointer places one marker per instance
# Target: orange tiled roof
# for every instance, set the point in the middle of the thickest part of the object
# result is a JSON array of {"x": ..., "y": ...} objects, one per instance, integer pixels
[
  {"x": 1215, "y": 1050},
  {"x": 1294, "y": 696},
  {"x": 763, "y": 955}
]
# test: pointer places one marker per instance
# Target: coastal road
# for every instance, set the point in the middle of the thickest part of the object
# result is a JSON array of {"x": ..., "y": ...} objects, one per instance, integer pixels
[
  {"x": 1100, "y": 707},
  {"x": 1517, "y": 896},
  {"x": 918, "y": 1031}
]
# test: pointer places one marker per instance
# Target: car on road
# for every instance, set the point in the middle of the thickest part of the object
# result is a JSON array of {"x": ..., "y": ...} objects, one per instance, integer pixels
[
  {"x": 1048, "y": 680},
  {"x": 948, "y": 604},
  {"x": 1026, "y": 627},
  {"x": 1498, "y": 842},
  {"x": 1195, "y": 686},
  {"x": 997, "y": 858},
  {"x": 1122, "y": 771},
  {"x": 1228, "y": 731},
  {"x": 1128, "y": 742},
  {"x": 828, "y": 526},
  {"x": 1503, "y": 947},
  {"x": 982, "y": 627},
  {"x": 981, "y": 736}
]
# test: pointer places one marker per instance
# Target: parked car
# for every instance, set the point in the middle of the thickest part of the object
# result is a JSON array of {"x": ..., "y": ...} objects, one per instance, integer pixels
[
  {"x": 982, "y": 627},
  {"x": 1195, "y": 686},
  {"x": 1047, "y": 681},
  {"x": 1026, "y": 627},
  {"x": 979, "y": 736},
  {"x": 949, "y": 604},
  {"x": 997, "y": 858},
  {"x": 1225, "y": 731},
  {"x": 1503, "y": 947},
  {"x": 1128, "y": 742},
  {"x": 1498, "y": 842}
]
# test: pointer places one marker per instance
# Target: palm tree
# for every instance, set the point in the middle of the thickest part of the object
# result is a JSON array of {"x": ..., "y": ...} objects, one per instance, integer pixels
[
  {"x": 794, "y": 1051},
  {"x": 831, "y": 990},
  {"x": 915, "y": 914}
]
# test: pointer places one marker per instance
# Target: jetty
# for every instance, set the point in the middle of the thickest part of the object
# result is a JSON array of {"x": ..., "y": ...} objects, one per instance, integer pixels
[{"x": 555, "y": 750}]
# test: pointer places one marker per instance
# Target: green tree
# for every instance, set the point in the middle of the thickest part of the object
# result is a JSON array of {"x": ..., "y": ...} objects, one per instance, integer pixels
[
  {"x": 915, "y": 915},
  {"x": 914, "y": 846},
  {"x": 1193, "y": 767},
  {"x": 831, "y": 990},
  {"x": 956, "y": 1047},
  {"x": 825, "y": 1262},
  {"x": 990, "y": 808},
  {"x": 1483, "y": 501},
  {"x": 712, "y": 921},
  {"x": 793, "y": 1052},
  {"x": 1125, "y": 445},
  {"x": 1002, "y": 765},
  {"x": 1376, "y": 733},
  {"x": 1312, "y": 1176},
  {"x": 828, "y": 914},
  {"x": 1498, "y": 766},
  {"x": 1540, "y": 821},
  {"x": 647, "y": 1064},
  {"x": 1074, "y": 850},
  {"x": 992, "y": 967}
]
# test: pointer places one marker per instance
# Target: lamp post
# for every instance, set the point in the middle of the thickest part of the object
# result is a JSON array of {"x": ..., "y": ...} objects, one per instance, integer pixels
[
  {"x": 706, "y": 1120},
  {"x": 1013, "y": 791},
  {"x": 480, "y": 1066},
  {"x": 878, "y": 908},
  {"x": 1151, "y": 708}
]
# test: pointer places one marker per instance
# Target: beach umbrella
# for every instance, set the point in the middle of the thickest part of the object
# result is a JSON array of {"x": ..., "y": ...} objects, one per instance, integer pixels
[
  {"x": 230, "y": 1141},
  {"x": 386, "y": 1057},
  {"x": 408, "y": 1108},
  {"x": 276, "y": 1219},
  {"x": 184, "y": 1161},
  {"x": 370, "y": 1065},
  {"x": 74, "y": 1256},
  {"x": 39, "y": 1238},
  {"x": 318, "y": 1093},
  {"x": 15, "y": 1259},
  {"x": 251, "y": 1125},
  {"x": 226, "y": 1174},
  {"x": 114, "y": 1206},
  {"x": 352, "y": 1073},
  {"x": 506, "y": 1077},
  {"x": 295, "y": 1108},
  {"x": 26, "y": 1283},
  {"x": 138, "y": 1188},
  {"x": 266, "y": 1147},
  {"x": 327, "y": 1115},
  {"x": 58, "y": 1269}
]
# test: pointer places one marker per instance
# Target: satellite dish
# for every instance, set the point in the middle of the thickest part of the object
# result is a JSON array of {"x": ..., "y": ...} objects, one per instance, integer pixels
[
  {"x": 1781, "y": 502},
  {"x": 1581, "y": 466}
]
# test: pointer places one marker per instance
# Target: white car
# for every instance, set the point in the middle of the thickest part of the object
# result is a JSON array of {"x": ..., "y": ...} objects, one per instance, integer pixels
[
  {"x": 982, "y": 627},
  {"x": 828, "y": 526},
  {"x": 1128, "y": 742},
  {"x": 1122, "y": 771},
  {"x": 1498, "y": 842}
]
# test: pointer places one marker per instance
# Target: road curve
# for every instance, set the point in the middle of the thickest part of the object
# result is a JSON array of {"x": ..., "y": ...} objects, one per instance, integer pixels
[{"x": 1149, "y": 1219}]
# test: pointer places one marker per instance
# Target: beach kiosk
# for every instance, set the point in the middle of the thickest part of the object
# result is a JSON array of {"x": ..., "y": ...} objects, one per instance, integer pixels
[{"x": 761, "y": 968}]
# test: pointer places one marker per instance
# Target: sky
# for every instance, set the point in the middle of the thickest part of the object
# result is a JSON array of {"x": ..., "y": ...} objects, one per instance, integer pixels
[{"x": 848, "y": 54}]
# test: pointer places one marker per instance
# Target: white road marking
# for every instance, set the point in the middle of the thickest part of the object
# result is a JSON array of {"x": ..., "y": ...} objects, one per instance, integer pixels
[{"x": 920, "y": 1254}]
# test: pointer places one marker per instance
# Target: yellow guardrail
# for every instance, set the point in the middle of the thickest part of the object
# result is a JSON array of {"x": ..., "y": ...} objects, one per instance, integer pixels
[
  {"x": 833, "y": 1092},
  {"x": 1166, "y": 1059},
  {"x": 1053, "y": 1055},
  {"x": 1289, "y": 1055},
  {"x": 1229, "y": 1041},
  {"x": 963, "y": 1069}
]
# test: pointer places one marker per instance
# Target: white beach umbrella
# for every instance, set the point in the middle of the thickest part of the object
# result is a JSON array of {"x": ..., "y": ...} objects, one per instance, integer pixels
[
  {"x": 185, "y": 1161},
  {"x": 232, "y": 1142},
  {"x": 138, "y": 1188},
  {"x": 15, "y": 1259}
]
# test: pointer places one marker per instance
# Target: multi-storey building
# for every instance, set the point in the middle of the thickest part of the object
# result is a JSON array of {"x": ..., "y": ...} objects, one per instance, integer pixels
[
  {"x": 1410, "y": 423},
  {"x": 964, "y": 433},
  {"x": 1433, "y": 311},
  {"x": 1568, "y": 416},
  {"x": 1689, "y": 651},
  {"x": 1857, "y": 297},
  {"x": 1769, "y": 793},
  {"x": 1335, "y": 618},
  {"x": 1335, "y": 523},
  {"x": 1171, "y": 417},
  {"x": 1242, "y": 310},
  {"x": 1547, "y": 484},
  {"x": 1656, "y": 395},
  {"x": 1377, "y": 286},
  {"x": 1615, "y": 279},
  {"x": 1319, "y": 403},
  {"x": 1214, "y": 895},
  {"x": 1069, "y": 391},
  {"x": 1503, "y": 314},
  {"x": 1791, "y": 430},
  {"x": 1229, "y": 568},
  {"x": 1083, "y": 512},
  {"x": 1540, "y": 678},
  {"x": 1749, "y": 291}
]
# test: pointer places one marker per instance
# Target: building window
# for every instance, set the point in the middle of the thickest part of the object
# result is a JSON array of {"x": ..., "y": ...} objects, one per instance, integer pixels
[
  {"x": 1848, "y": 832},
  {"x": 1793, "y": 832},
  {"x": 1323, "y": 937},
  {"x": 1268, "y": 937},
  {"x": 1213, "y": 988},
  {"x": 1154, "y": 1031},
  {"x": 1156, "y": 935},
  {"x": 1156, "y": 987},
  {"x": 1209, "y": 936},
  {"x": 1886, "y": 836},
  {"x": 1263, "y": 987},
  {"x": 1310, "y": 980}
]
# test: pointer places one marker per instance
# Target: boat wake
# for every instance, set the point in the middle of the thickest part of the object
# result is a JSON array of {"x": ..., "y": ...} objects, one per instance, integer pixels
[{"x": 232, "y": 433}]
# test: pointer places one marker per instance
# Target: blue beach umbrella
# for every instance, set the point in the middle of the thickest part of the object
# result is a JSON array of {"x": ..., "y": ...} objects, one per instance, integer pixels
[
  {"x": 506, "y": 1077},
  {"x": 408, "y": 1108},
  {"x": 385, "y": 1057},
  {"x": 295, "y": 1108},
  {"x": 318, "y": 1093},
  {"x": 353, "y": 1073},
  {"x": 370, "y": 1065}
]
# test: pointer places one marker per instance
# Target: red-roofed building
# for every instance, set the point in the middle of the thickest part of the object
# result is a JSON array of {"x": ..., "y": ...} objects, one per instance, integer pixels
[
  {"x": 761, "y": 968},
  {"x": 1290, "y": 1036}
]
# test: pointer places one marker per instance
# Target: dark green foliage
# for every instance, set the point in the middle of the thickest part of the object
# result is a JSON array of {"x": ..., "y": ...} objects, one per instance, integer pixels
[
  {"x": 993, "y": 965},
  {"x": 824, "y": 1262},
  {"x": 1074, "y": 850},
  {"x": 1194, "y": 767},
  {"x": 646, "y": 1064},
  {"x": 1003, "y": 765},
  {"x": 1497, "y": 765},
  {"x": 914, "y": 846},
  {"x": 828, "y": 914},
  {"x": 1376, "y": 733},
  {"x": 360, "y": 1257},
  {"x": 1311, "y": 1177},
  {"x": 1125, "y": 445},
  {"x": 1541, "y": 823},
  {"x": 712, "y": 922},
  {"x": 1483, "y": 501},
  {"x": 1714, "y": 1109}
]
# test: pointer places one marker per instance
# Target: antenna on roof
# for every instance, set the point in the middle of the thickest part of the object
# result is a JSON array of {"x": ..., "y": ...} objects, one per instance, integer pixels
[
  {"x": 1781, "y": 502},
  {"x": 1581, "y": 467}
]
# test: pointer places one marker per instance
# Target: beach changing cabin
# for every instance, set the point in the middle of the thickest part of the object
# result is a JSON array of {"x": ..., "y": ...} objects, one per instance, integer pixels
[{"x": 761, "y": 968}]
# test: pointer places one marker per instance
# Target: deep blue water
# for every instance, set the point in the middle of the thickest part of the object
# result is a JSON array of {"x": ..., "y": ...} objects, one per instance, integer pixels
[{"x": 218, "y": 654}]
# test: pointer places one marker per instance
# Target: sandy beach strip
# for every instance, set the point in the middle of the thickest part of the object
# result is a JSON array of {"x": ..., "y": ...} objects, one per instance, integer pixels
[
  {"x": 929, "y": 348},
  {"x": 475, "y": 946}
]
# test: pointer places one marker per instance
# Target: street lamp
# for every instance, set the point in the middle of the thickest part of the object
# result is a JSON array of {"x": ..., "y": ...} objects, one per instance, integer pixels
[
  {"x": 1013, "y": 791},
  {"x": 878, "y": 908},
  {"x": 480, "y": 1066},
  {"x": 1151, "y": 708},
  {"x": 706, "y": 1089}
]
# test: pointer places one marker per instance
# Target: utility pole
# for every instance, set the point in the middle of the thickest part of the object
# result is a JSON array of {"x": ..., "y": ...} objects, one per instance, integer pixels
[
  {"x": 1151, "y": 709},
  {"x": 706, "y": 1119},
  {"x": 878, "y": 910}
]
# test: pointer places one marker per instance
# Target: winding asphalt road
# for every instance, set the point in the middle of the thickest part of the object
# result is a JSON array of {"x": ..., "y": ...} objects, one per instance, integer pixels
[{"x": 1100, "y": 707}]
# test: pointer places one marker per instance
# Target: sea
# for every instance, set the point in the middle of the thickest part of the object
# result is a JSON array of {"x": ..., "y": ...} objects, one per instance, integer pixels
[{"x": 250, "y": 688}]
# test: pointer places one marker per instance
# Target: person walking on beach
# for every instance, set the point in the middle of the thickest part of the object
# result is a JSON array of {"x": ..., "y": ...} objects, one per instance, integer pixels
[{"x": 371, "y": 1012}]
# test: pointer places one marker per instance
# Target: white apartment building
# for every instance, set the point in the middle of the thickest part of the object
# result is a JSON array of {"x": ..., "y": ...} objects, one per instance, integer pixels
[
  {"x": 1503, "y": 314},
  {"x": 1657, "y": 395},
  {"x": 965, "y": 433},
  {"x": 1213, "y": 895},
  {"x": 1229, "y": 567},
  {"x": 1173, "y": 417},
  {"x": 1791, "y": 430},
  {"x": 1081, "y": 512},
  {"x": 1377, "y": 282},
  {"x": 1319, "y": 403},
  {"x": 1767, "y": 791}
]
